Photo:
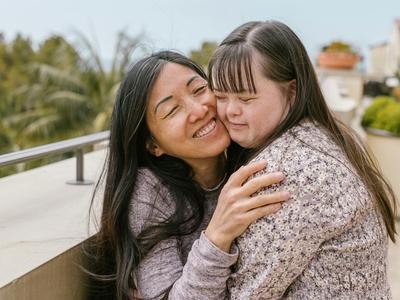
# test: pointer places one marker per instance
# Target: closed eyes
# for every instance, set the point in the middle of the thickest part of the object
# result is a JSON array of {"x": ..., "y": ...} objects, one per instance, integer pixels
[
  {"x": 171, "y": 112},
  {"x": 200, "y": 89},
  {"x": 246, "y": 99}
]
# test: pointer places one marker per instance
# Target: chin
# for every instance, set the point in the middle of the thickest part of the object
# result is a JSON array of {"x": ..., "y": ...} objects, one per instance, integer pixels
[
  {"x": 240, "y": 142},
  {"x": 224, "y": 144}
]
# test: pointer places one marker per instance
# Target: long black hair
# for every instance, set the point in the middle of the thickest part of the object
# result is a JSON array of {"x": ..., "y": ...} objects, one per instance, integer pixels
[
  {"x": 115, "y": 252},
  {"x": 284, "y": 59}
]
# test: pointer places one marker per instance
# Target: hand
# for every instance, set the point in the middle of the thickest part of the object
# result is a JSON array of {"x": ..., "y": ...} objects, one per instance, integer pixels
[{"x": 237, "y": 209}]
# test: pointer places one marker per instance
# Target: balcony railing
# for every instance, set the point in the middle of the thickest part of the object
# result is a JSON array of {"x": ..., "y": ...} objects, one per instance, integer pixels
[{"x": 76, "y": 145}]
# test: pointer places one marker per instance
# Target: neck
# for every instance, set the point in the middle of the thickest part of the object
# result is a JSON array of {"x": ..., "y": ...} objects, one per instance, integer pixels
[{"x": 209, "y": 172}]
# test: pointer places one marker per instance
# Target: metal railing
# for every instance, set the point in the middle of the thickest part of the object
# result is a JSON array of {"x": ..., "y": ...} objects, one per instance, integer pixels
[{"x": 75, "y": 144}]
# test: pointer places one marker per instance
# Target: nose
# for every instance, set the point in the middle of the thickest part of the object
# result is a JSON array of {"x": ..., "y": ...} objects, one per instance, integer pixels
[
  {"x": 232, "y": 108},
  {"x": 197, "y": 110}
]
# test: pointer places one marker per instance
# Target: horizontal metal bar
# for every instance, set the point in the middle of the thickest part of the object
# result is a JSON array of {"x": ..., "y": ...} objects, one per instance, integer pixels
[{"x": 52, "y": 149}]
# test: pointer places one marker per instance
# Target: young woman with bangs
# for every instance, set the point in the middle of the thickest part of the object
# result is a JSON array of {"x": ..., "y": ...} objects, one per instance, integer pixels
[{"x": 330, "y": 239}]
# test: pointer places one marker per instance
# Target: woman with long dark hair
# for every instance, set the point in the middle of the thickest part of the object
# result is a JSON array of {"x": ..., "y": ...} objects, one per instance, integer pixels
[
  {"x": 330, "y": 239},
  {"x": 169, "y": 214}
]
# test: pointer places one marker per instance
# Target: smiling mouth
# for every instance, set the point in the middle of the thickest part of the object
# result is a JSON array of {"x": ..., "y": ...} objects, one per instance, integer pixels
[
  {"x": 205, "y": 129},
  {"x": 236, "y": 125}
]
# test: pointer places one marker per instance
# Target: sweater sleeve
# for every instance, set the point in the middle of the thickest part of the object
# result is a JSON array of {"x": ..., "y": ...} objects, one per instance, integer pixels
[
  {"x": 161, "y": 271},
  {"x": 276, "y": 249}
]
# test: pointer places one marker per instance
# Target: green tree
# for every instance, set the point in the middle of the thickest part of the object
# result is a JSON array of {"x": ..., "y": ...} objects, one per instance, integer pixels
[
  {"x": 203, "y": 55},
  {"x": 59, "y": 91},
  {"x": 14, "y": 60},
  {"x": 74, "y": 94}
]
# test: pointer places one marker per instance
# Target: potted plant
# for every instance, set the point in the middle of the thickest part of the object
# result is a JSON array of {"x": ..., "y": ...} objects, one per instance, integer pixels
[
  {"x": 381, "y": 121},
  {"x": 338, "y": 55},
  {"x": 383, "y": 115}
]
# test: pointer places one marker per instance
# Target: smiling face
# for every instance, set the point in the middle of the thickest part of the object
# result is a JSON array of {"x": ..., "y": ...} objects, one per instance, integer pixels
[
  {"x": 182, "y": 117},
  {"x": 252, "y": 117}
]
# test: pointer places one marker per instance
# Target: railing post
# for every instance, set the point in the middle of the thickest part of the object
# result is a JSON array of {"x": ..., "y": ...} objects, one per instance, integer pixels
[{"x": 79, "y": 170}]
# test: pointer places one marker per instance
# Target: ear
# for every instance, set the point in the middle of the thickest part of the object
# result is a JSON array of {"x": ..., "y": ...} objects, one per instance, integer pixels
[
  {"x": 292, "y": 90},
  {"x": 153, "y": 147}
]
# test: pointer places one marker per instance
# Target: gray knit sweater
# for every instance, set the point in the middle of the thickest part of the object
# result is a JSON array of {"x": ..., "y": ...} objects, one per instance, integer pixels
[
  {"x": 192, "y": 265},
  {"x": 327, "y": 242}
]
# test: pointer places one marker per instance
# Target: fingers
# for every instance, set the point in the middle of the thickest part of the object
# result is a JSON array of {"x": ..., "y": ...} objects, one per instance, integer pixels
[
  {"x": 263, "y": 205},
  {"x": 265, "y": 200},
  {"x": 244, "y": 172},
  {"x": 263, "y": 211},
  {"x": 255, "y": 184}
]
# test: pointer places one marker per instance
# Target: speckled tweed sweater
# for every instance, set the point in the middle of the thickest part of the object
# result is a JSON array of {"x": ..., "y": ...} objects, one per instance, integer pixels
[
  {"x": 327, "y": 242},
  {"x": 191, "y": 266}
]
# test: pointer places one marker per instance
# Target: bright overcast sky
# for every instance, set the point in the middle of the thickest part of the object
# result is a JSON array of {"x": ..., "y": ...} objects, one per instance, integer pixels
[{"x": 183, "y": 25}]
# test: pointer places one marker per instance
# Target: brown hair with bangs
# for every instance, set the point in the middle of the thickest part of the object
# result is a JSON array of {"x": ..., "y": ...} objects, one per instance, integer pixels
[
  {"x": 284, "y": 58},
  {"x": 235, "y": 74}
]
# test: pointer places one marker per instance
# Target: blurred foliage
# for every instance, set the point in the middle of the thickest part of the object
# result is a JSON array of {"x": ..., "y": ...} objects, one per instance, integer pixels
[
  {"x": 396, "y": 93},
  {"x": 57, "y": 90},
  {"x": 383, "y": 113},
  {"x": 338, "y": 46},
  {"x": 203, "y": 55}
]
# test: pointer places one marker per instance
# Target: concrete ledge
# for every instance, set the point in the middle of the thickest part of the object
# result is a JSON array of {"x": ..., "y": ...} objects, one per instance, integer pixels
[
  {"x": 60, "y": 278},
  {"x": 43, "y": 221}
]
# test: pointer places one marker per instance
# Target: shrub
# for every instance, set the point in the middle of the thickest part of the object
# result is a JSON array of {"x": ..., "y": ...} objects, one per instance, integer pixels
[{"x": 383, "y": 114}]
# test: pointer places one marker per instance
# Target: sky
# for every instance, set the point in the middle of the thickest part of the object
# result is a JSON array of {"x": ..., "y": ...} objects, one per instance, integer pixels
[{"x": 184, "y": 25}]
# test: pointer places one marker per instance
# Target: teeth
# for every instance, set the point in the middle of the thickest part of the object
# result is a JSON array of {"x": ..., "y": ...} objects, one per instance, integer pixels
[{"x": 206, "y": 129}]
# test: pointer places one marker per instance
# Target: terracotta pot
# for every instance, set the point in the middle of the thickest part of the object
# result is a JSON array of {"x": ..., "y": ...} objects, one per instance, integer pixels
[{"x": 337, "y": 60}]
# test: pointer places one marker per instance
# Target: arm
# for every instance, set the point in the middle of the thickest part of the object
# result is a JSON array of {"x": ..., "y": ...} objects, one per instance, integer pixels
[
  {"x": 276, "y": 249},
  {"x": 202, "y": 277},
  {"x": 161, "y": 271},
  {"x": 208, "y": 264}
]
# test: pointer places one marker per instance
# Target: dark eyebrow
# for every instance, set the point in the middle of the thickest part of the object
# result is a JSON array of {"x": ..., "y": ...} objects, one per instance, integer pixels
[
  {"x": 191, "y": 80},
  {"x": 161, "y": 102}
]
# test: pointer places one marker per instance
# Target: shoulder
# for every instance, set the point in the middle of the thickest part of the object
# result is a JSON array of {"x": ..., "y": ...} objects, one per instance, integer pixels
[
  {"x": 147, "y": 179},
  {"x": 314, "y": 153},
  {"x": 151, "y": 201},
  {"x": 148, "y": 187},
  {"x": 306, "y": 145},
  {"x": 325, "y": 189},
  {"x": 312, "y": 163}
]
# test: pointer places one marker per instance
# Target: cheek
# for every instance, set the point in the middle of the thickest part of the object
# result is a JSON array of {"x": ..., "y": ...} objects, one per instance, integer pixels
[
  {"x": 221, "y": 110},
  {"x": 172, "y": 131},
  {"x": 258, "y": 118}
]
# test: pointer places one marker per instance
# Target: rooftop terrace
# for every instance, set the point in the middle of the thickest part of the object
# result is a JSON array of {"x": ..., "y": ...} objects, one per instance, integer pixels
[{"x": 43, "y": 222}]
